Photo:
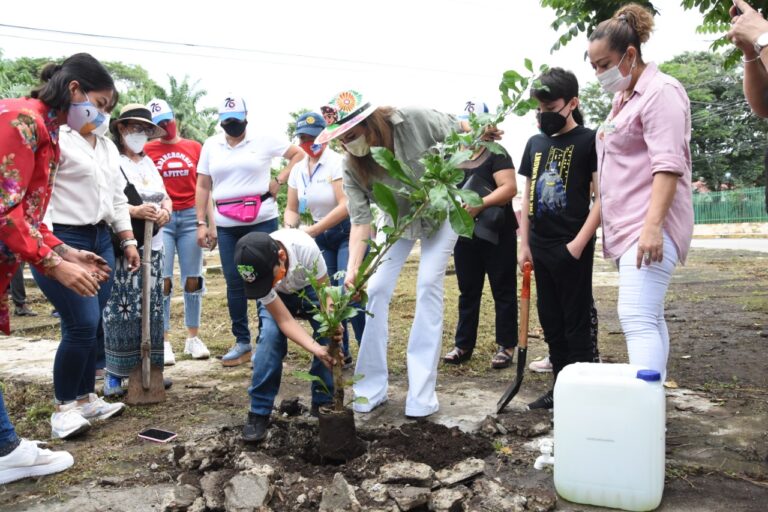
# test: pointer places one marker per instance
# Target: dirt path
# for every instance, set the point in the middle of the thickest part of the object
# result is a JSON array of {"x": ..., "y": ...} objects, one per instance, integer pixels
[{"x": 717, "y": 454}]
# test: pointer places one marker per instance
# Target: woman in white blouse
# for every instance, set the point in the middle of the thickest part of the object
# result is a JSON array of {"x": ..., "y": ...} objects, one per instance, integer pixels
[
  {"x": 87, "y": 201},
  {"x": 315, "y": 192},
  {"x": 122, "y": 317}
]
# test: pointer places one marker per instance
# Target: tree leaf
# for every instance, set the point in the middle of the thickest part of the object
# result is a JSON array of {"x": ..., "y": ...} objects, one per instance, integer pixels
[
  {"x": 386, "y": 200},
  {"x": 438, "y": 196},
  {"x": 461, "y": 222},
  {"x": 459, "y": 157},
  {"x": 394, "y": 167},
  {"x": 494, "y": 147},
  {"x": 470, "y": 197}
]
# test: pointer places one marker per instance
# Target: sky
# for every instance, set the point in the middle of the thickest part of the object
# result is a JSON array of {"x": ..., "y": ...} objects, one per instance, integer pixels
[{"x": 283, "y": 56}]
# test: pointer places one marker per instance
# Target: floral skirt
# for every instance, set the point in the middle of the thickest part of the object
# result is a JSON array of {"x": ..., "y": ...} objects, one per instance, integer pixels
[{"x": 122, "y": 318}]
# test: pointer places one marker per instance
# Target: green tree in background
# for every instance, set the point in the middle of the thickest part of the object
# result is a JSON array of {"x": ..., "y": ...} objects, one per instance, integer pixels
[
  {"x": 725, "y": 136},
  {"x": 594, "y": 103},
  {"x": 582, "y": 16},
  {"x": 19, "y": 76}
]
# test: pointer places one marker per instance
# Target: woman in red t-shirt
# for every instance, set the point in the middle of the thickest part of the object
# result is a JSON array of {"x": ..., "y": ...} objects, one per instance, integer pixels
[{"x": 176, "y": 160}]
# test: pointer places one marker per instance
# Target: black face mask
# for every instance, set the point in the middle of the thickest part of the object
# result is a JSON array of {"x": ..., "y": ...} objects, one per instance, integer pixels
[
  {"x": 234, "y": 128},
  {"x": 551, "y": 122}
]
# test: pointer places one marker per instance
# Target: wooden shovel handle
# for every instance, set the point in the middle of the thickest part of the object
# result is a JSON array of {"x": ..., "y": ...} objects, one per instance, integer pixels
[{"x": 526, "y": 291}]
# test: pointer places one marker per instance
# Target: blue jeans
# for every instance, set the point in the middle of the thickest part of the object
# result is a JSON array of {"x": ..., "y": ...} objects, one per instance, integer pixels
[
  {"x": 334, "y": 243},
  {"x": 180, "y": 236},
  {"x": 271, "y": 347},
  {"x": 82, "y": 332},
  {"x": 236, "y": 301},
  {"x": 7, "y": 433}
]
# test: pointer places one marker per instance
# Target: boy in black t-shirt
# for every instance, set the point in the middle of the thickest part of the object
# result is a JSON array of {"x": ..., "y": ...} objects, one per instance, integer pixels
[{"x": 557, "y": 226}]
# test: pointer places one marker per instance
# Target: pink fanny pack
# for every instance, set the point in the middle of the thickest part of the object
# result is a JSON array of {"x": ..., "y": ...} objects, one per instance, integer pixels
[{"x": 243, "y": 209}]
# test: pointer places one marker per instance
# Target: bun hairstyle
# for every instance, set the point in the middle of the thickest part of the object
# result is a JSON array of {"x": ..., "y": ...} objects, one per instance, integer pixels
[
  {"x": 82, "y": 67},
  {"x": 559, "y": 83},
  {"x": 631, "y": 25}
]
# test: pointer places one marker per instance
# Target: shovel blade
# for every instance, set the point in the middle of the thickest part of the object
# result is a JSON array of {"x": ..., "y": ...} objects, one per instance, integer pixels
[
  {"x": 137, "y": 395},
  {"x": 514, "y": 387}
]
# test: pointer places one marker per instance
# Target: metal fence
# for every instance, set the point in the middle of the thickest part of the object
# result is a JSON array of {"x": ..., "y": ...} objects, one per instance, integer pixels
[{"x": 728, "y": 206}]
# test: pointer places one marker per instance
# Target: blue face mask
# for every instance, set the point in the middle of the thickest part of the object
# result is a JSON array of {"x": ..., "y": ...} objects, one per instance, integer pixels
[{"x": 84, "y": 117}]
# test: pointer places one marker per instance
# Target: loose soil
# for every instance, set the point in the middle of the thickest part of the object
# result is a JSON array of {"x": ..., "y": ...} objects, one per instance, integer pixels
[{"x": 717, "y": 449}]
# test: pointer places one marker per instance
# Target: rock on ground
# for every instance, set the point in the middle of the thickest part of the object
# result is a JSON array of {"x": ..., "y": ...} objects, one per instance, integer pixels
[
  {"x": 448, "y": 500},
  {"x": 407, "y": 473},
  {"x": 247, "y": 492},
  {"x": 213, "y": 488},
  {"x": 489, "y": 495},
  {"x": 180, "y": 498},
  {"x": 339, "y": 496},
  {"x": 461, "y": 472},
  {"x": 409, "y": 498}
]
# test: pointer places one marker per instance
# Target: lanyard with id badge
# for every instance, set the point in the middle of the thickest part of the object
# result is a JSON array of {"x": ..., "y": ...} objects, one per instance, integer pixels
[{"x": 303, "y": 207}]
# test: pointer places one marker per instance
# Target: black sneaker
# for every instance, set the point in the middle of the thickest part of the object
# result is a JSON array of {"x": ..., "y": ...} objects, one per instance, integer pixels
[
  {"x": 255, "y": 428},
  {"x": 315, "y": 409},
  {"x": 546, "y": 401}
]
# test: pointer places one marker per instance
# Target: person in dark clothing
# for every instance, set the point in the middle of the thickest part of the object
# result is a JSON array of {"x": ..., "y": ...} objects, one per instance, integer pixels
[
  {"x": 19, "y": 294},
  {"x": 558, "y": 229},
  {"x": 490, "y": 250}
]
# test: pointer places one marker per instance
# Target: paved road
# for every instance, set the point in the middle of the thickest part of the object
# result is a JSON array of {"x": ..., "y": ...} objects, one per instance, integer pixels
[{"x": 739, "y": 244}]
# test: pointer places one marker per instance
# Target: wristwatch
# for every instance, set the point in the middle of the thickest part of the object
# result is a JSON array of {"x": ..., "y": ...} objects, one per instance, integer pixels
[{"x": 761, "y": 42}]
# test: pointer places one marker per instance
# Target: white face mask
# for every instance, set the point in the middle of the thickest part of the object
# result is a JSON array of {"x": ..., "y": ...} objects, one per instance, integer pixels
[
  {"x": 101, "y": 130},
  {"x": 135, "y": 141},
  {"x": 84, "y": 117},
  {"x": 613, "y": 81},
  {"x": 358, "y": 147}
]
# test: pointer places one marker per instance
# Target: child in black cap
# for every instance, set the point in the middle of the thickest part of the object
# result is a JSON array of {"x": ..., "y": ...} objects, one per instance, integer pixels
[{"x": 275, "y": 268}]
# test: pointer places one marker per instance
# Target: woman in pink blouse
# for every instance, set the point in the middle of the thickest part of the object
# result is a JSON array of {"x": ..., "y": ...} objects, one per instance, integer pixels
[{"x": 644, "y": 165}]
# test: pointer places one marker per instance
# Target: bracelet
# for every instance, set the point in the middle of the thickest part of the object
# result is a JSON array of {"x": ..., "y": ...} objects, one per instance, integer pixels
[
  {"x": 202, "y": 223},
  {"x": 747, "y": 61},
  {"x": 128, "y": 242}
]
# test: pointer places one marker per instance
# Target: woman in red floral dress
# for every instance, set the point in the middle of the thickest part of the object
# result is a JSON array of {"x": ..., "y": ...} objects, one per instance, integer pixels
[{"x": 76, "y": 92}]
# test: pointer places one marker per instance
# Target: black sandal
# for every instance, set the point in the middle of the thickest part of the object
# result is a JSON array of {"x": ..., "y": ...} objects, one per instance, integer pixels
[
  {"x": 457, "y": 356},
  {"x": 501, "y": 360}
]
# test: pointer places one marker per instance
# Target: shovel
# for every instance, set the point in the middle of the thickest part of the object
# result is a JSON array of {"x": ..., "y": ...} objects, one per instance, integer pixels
[
  {"x": 522, "y": 342},
  {"x": 145, "y": 383}
]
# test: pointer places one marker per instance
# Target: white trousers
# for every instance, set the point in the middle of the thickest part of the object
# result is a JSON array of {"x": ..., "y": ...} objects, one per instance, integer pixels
[
  {"x": 425, "y": 340},
  {"x": 641, "y": 307}
]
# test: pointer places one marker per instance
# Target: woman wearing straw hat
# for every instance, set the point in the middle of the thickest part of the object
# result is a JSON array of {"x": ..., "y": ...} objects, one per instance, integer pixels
[
  {"x": 409, "y": 133},
  {"x": 122, "y": 316}
]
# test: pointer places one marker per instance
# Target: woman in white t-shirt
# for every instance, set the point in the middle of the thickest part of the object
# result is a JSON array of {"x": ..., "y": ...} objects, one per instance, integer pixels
[
  {"x": 234, "y": 171},
  {"x": 122, "y": 316},
  {"x": 315, "y": 193}
]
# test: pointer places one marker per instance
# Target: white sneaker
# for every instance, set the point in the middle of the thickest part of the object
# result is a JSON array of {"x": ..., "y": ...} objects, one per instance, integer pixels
[
  {"x": 541, "y": 366},
  {"x": 97, "y": 409},
  {"x": 28, "y": 460},
  {"x": 68, "y": 422},
  {"x": 168, "y": 358},
  {"x": 196, "y": 348}
]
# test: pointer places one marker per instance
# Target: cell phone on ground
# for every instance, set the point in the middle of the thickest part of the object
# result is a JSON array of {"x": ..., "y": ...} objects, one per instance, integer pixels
[{"x": 156, "y": 435}]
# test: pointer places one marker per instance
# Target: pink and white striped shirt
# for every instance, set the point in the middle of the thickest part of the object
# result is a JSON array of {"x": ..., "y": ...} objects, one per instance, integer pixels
[{"x": 648, "y": 133}]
